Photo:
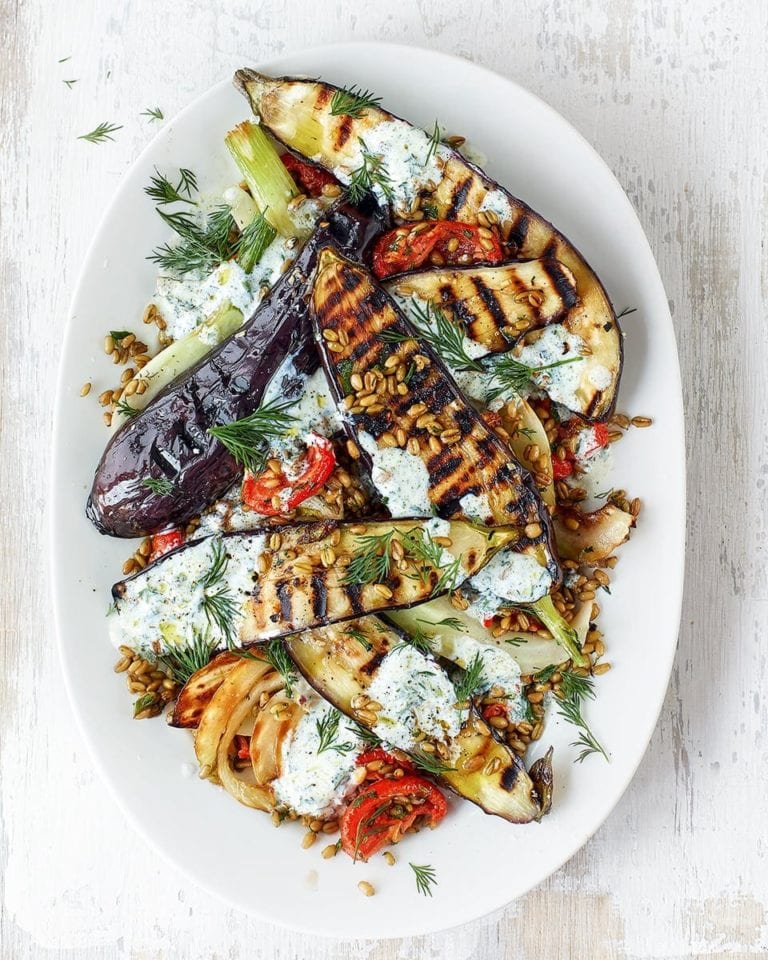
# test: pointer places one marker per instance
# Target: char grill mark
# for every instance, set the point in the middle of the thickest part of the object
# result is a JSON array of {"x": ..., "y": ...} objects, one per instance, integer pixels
[
  {"x": 490, "y": 302},
  {"x": 459, "y": 196}
]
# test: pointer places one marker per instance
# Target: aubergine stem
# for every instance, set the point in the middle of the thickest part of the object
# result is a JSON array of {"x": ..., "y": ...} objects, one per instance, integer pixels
[{"x": 545, "y": 610}]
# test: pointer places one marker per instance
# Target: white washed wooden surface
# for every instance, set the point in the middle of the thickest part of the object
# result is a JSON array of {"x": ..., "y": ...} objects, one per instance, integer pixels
[{"x": 673, "y": 95}]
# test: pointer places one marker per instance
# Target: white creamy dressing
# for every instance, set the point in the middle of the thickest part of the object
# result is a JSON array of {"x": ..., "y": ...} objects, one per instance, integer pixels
[
  {"x": 314, "y": 411},
  {"x": 562, "y": 384},
  {"x": 312, "y": 783},
  {"x": 400, "y": 477},
  {"x": 416, "y": 697},
  {"x": 496, "y": 201},
  {"x": 507, "y": 578},
  {"x": 408, "y": 161},
  {"x": 595, "y": 477},
  {"x": 163, "y": 608},
  {"x": 476, "y": 507},
  {"x": 500, "y": 669}
]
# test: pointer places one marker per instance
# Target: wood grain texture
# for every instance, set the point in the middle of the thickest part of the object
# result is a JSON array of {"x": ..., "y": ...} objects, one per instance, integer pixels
[{"x": 673, "y": 95}]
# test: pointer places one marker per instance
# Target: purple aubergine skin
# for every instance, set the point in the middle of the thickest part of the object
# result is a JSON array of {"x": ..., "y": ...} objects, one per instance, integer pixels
[{"x": 170, "y": 438}]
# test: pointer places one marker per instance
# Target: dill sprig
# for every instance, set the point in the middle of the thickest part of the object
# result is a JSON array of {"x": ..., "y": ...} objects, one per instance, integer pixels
[
  {"x": 361, "y": 638},
  {"x": 101, "y": 133},
  {"x": 430, "y": 763},
  {"x": 367, "y": 736},
  {"x": 471, "y": 680},
  {"x": 162, "y": 486},
  {"x": 246, "y": 439},
  {"x": 70, "y": 83},
  {"x": 422, "y": 549},
  {"x": 372, "y": 561},
  {"x": 512, "y": 374},
  {"x": 182, "y": 662},
  {"x": 626, "y": 312},
  {"x": 570, "y": 710},
  {"x": 371, "y": 173},
  {"x": 254, "y": 240},
  {"x": 122, "y": 406},
  {"x": 352, "y": 101},
  {"x": 328, "y": 731},
  {"x": 278, "y": 659},
  {"x": 434, "y": 143},
  {"x": 218, "y": 603},
  {"x": 163, "y": 191},
  {"x": 153, "y": 113},
  {"x": 453, "y": 623},
  {"x": 198, "y": 247},
  {"x": 425, "y": 878},
  {"x": 444, "y": 336},
  {"x": 415, "y": 639}
]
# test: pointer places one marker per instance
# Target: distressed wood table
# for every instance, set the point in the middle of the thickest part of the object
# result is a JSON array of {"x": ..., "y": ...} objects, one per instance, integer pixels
[{"x": 673, "y": 95}]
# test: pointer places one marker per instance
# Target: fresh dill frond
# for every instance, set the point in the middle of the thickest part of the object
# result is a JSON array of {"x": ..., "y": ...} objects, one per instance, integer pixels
[
  {"x": 453, "y": 623},
  {"x": 122, "y": 406},
  {"x": 145, "y": 701},
  {"x": 574, "y": 685},
  {"x": 425, "y": 878},
  {"x": 471, "y": 680},
  {"x": 545, "y": 675},
  {"x": 101, "y": 133},
  {"x": 371, "y": 173},
  {"x": 199, "y": 247},
  {"x": 372, "y": 561},
  {"x": 246, "y": 439},
  {"x": 218, "y": 603},
  {"x": 626, "y": 312},
  {"x": 430, "y": 763},
  {"x": 162, "y": 191},
  {"x": 277, "y": 657},
  {"x": 417, "y": 640},
  {"x": 182, "y": 662},
  {"x": 512, "y": 374},
  {"x": 444, "y": 336},
  {"x": 434, "y": 143},
  {"x": 361, "y": 638},
  {"x": 328, "y": 731},
  {"x": 118, "y": 335},
  {"x": 153, "y": 113},
  {"x": 70, "y": 83},
  {"x": 254, "y": 240},
  {"x": 367, "y": 736},
  {"x": 352, "y": 101},
  {"x": 570, "y": 710},
  {"x": 162, "y": 486}
]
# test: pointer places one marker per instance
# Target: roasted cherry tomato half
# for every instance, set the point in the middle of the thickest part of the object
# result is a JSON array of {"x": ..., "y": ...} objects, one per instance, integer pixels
[
  {"x": 309, "y": 178},
  {"x": 165, "y": 542},
  {"x": 382, "y": 812},
  {"x": 437, "y": 242},
  {"x": 306, "y": 478}
]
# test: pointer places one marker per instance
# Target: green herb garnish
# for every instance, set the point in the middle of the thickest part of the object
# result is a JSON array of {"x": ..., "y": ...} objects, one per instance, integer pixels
[
  {"x": 163, "y": 191},
  {"x": 328, "y": 731},
  {"x": 218, "y": 603},
  {"x": 70, "y": 83},
  {"x": 430, "y": 763},
  {"x": 444, "y": 336},
  {"x": 254, "y": 240},
  {"x": 372, "y": 561},
  {"x": 471, "y": 680},
  {"x": 434, "y": 143},
  {"x": 162, "y": 486},
  {"x": 277, "y": 657},
  {"x": 101, "y": 133},
  {"x": 371, "y": 173},
  {"x": 425, "y": 878},
  {"x": 246, "y": 439},
  {"x": 153, "y": 113},
  {"x": 145, "y": 701},
  {"x": 511, "y": 374},
  {"x": 352, "y": 101},
  {"x": 199, "y": 247},
  {"x": 122, "y": 406},
  {"x": 182, "y": 662},
  {"x": 361, "y": 638}
]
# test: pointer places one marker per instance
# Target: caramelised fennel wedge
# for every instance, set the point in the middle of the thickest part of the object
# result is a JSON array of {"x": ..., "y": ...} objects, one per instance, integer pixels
[
  {"x": 591, "y": 537},
  {"x": 372, "y": 673},
  {"x": 245, "y": 588},
  {"x": 405, "y": 168},
  {"x": 428, "y": 450},
  {"x": 494, "y": 305}
]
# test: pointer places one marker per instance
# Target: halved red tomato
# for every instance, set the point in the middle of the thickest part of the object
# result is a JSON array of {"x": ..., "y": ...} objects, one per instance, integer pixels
[
  {"x": 165, "y": 542},
  {"x": 443, "y": 242},
  {"x": 309, "y": 476}
]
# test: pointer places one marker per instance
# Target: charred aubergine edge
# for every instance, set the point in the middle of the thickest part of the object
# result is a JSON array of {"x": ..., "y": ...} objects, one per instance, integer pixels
[
  {"x": 341, "y": 662},
  {"x": 439, "y": 183},
  {"x": 410, "y": 407},
  {"x": 169, "y": 439}
]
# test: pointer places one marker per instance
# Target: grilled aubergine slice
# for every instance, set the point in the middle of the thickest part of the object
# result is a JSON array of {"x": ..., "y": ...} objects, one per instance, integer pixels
[
  {"x": 169, "y": 439},
  {"x": 398, "y": 397},
  {"x": 418, "y": 179},
  {"x": 244, "y": 588},
  {"x": 502, "y": 307},
  {"x": 495, "y": 306},
  {"x": 342, "y": 661}
]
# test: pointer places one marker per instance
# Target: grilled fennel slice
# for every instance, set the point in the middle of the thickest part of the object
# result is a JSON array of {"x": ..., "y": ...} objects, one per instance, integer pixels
[
  {"x": 405, "y": 169},
  {"x": 321, "y": 572},
  {"x": 462, "y": 456},
  {"x": 480, "y": 768}
]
